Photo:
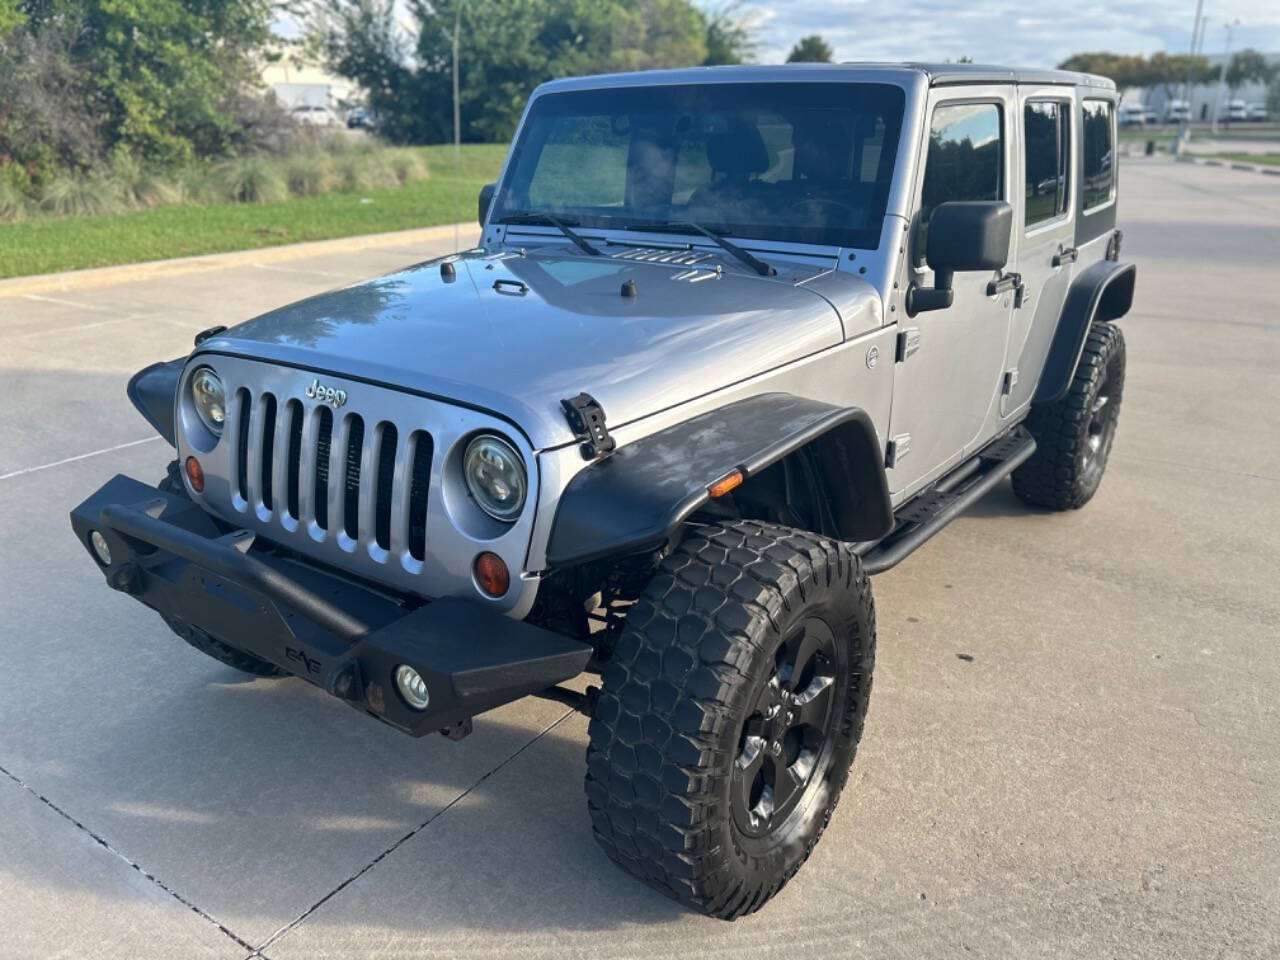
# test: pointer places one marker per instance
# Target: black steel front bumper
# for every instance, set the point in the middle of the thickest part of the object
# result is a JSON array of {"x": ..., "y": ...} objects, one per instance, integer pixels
[{"x": 346, "y": 638}]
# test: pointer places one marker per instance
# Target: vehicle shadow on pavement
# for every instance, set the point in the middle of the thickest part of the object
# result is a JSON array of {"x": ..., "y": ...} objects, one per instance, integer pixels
[{"x": 1001, "y": 501}]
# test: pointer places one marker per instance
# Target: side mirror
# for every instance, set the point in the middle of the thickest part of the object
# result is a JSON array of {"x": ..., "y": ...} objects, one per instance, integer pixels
[
  {"x": 963, "y": 235},
  {"x": 486, "y": 201}
]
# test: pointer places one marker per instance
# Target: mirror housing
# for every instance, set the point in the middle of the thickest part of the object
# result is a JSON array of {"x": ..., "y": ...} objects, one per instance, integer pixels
[
  {"x": 963, "y": 236},
  {"x": 486, "y": 201}
]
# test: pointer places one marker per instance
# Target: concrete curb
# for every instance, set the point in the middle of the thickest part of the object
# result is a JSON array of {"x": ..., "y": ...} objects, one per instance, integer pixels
[
  {"x": 467, "y": 234},
  {"x": 1248, "y": 167}
]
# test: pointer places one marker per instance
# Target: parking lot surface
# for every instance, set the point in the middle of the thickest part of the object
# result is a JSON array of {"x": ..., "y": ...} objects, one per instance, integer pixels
[{"x": 1073, "y": 747}]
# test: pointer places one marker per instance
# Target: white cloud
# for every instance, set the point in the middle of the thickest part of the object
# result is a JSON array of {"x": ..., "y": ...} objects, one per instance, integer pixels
[{"x": 1030, "y": 33}]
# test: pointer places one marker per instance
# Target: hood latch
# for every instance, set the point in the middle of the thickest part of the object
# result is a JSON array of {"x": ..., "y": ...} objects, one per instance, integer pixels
[{"x": 586, "y": 420}]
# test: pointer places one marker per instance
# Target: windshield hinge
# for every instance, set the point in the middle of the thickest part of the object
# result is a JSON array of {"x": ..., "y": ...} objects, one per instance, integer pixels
[
  {"x": 897, "y": 448},
  {"x": 908, "y": 343},
  {"x": 586, "y": 420}
]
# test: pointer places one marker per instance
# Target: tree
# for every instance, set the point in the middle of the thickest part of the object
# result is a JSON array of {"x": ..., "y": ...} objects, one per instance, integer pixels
[
  {"x": 1124, "y": 70},
  {"x": 11, "y": 17},
  {"x": 164, "y": 78},
  {"x": 810, "y": 49},
  {"x": 507, "y": 47},
  {"x": 1171, "y": 71},
  {"x": 1248, "y": 66},
  {"x": 729, "y": 36},
  {"x": 50, "y": 110}
]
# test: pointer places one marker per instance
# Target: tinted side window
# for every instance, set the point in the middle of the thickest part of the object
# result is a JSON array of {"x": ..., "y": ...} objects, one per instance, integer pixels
[
  {"x": 965, "y": 160},
  {"x": 1098, "y": 171},
  {"x": 1048, "y": 163}
]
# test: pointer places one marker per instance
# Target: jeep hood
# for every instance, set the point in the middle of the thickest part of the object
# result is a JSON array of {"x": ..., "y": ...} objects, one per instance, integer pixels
[{"x": 515, "y": 334}]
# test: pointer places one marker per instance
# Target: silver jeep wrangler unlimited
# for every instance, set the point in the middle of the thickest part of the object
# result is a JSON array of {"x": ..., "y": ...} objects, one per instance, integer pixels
[{"x": 733, "y": 340}]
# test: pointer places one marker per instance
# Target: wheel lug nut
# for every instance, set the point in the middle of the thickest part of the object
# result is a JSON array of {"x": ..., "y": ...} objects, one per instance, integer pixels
[
  {"x": 775, "y": 748},
  {"x": 791, "y": 717}
]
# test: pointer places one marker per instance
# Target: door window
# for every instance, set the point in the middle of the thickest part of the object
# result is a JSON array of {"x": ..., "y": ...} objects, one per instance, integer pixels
[
  {"x": 1098, "y": 174},
  {"x": 965, "y": 160},
  {"x": 1048, "y": 162}
]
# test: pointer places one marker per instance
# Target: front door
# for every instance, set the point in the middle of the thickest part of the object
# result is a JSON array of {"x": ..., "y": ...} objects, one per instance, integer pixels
[{"x": 951, "y": 362}]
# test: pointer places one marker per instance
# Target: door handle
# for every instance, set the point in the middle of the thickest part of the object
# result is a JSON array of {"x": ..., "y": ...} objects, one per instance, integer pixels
[
  {"x": 1010, "y": 281},
  {"x": 1065, "y": 255},
  {"x": 510, "y": 288}
]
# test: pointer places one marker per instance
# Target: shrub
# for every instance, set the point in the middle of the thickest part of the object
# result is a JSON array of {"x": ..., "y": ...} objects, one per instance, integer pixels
[
  {"x": 408, "y": 165},
  {"x": 139, "y": 186},
  {"x": 13, "y": 202},
  {"x": 71, "y": 194},
  {"x": 255, "y": 179},
  {"x": 309, "y": 174},
  {"x": 364, "y": 170}
]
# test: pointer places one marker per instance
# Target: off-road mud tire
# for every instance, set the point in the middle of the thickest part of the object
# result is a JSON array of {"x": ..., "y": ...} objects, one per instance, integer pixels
[
  {"x": 1065, "y": 471},
  {"x": 695, "y": 657}
]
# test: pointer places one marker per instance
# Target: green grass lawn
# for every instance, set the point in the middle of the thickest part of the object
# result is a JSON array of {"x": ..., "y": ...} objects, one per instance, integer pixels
[
  {"x": 1266, "y": 159},
  {"x": 447, "y": 195}
]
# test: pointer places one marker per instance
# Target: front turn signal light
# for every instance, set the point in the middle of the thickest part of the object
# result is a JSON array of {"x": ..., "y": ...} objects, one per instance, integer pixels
[{"x": 195, "y": 474}]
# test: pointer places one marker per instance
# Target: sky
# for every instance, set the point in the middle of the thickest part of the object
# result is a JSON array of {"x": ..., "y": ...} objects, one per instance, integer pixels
[{"x": 1031, "y": 33}]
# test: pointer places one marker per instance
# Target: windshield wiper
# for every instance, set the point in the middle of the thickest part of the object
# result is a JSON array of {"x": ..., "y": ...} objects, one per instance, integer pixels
[
  {"x": 549, "y": 220},
  {"x": 688, "y": 226}
]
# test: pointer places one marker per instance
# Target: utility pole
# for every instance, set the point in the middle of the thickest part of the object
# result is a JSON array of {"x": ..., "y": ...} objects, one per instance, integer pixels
[
  {"x": 1184, "y": 125},
  {"x": 457, "y": 110},
  {"x": 1222, "y": 73}
]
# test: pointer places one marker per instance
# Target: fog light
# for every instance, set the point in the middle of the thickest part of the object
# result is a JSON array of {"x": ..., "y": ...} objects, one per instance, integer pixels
[
  {"x": 412, "y": 687},
  {"x": 492, "y": 575},
  {"x": 195, "y": 474},
  {"x": 100, "y": 548}
]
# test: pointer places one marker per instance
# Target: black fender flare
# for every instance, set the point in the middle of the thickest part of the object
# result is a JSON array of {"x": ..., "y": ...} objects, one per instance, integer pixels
[
  {"x": 1102, "y": 291},
  {"x": 153, "y": 391},
  {"x": 636, "y": 498}
]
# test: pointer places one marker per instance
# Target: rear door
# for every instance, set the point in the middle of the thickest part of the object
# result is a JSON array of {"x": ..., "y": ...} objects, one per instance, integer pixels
[
  {"x": 1044, "y": 232},
  {"x": 948, "y": 377}
]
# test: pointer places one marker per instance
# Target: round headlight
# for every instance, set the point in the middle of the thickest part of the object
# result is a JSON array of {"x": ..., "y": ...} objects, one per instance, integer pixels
[
  {"x": 495, "y": 476},
  {"x": 210, "y": 399}
]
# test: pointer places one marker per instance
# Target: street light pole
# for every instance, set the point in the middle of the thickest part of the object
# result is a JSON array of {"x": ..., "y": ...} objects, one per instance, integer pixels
[
  {"x": 1222, "y": 73},
  {"x": 1184, "y": 124},
  {"x": 457, "y": 111}
]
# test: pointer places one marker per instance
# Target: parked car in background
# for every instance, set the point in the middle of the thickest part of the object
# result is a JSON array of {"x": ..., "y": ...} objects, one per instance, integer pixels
[
  {"x": 362, "y": 118},
  {"x": 1234, "y": 112},
  {"x": 1258, "y": 113},
  {"x": 1130, "y": 115},
  {"x": 313, "y": 116},
  {"x": 1151, "y": 115},
  {"x": 1177, "y": 111}
]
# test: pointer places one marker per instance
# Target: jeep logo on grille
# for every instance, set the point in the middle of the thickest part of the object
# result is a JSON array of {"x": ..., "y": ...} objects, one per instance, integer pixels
[{"x": 318, "y": 391}]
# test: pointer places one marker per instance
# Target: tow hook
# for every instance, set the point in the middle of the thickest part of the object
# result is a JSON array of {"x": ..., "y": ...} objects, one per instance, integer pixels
[
  {"x": 344, "y": 681},
  {"x": 458, "y": 730},
  {"x": 124, "y": 578}
]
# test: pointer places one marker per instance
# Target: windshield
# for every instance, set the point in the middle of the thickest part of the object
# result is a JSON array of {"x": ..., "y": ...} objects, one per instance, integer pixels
[{"x": 801, "y": 162}]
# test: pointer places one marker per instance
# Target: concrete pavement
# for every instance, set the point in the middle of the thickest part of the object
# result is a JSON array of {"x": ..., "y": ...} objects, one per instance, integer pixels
[{"x": 1072, "y": 750}]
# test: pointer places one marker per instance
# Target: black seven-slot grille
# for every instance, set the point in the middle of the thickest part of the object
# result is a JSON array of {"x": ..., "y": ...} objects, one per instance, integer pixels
[{"x": 332, "y": 470}]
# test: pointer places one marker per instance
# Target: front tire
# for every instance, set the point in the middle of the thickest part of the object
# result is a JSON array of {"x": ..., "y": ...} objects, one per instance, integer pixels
[
  {"x": 1074, "y": 435},
  {"x": 730, "y": 713}
]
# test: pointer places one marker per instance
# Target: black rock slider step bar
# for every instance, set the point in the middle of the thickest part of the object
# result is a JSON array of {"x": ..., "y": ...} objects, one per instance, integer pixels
[{"x": 925, "y": 514}]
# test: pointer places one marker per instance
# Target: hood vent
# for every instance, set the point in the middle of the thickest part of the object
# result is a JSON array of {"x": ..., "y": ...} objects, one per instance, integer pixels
[{"x": 680, "y": 257}]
